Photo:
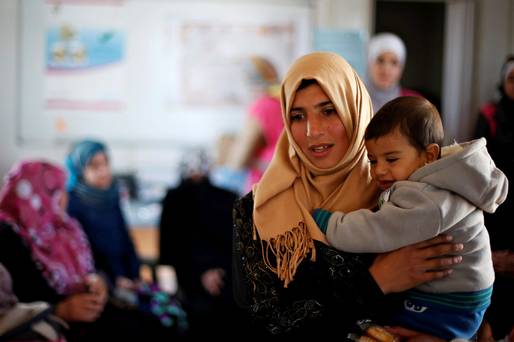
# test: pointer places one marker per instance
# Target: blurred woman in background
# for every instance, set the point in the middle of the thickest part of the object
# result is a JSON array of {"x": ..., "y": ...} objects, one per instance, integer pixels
[
  {"x": 496, "y": 124},
  {"x": 387, "y": 56},
  {"x": 196, "y": 238},
  {"x": 255, "y": 145},
  {"x": 94, "y": 201}
]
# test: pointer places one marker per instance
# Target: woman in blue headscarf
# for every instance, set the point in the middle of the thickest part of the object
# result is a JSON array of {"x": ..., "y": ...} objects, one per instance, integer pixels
[{"x": 94, "y": 201}]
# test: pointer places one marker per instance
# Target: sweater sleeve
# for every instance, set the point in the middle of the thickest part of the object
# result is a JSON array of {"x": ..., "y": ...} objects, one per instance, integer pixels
[
  {"x": 325, "y": 296},
  {"x": 408, "y": 217}
]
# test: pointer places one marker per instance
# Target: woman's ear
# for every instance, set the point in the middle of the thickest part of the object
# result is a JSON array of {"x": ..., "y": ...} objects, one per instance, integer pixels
[{"x": 432, "y": 152}]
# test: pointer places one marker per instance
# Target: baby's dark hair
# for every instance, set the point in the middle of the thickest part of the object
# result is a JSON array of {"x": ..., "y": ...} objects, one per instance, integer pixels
[{"x": 415, "y": 116}]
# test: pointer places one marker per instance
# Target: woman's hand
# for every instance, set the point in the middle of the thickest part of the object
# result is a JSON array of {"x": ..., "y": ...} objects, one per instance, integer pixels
[
  {"x": 81, "y": 307},
  {"x": 85, "y": 307},
  {"x": 212, "y": 281},
  {"x": 503, "y": 262},
  {"x": 412, "y": 265},
  {"x": 126, "y": 283}
]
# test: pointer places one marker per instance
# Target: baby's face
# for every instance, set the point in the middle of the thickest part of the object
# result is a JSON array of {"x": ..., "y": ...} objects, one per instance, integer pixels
[{"x": 393, "y": 158}]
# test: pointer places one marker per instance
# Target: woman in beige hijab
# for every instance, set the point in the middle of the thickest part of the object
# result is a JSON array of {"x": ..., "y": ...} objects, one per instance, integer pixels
[{"x": 292, "y": 282}]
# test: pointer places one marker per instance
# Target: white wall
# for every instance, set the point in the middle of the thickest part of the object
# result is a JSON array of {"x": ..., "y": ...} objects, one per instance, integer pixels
[
  {"x": 152, "y": 159},
  {"x": 125, "y": 157},
  {"x": 494, "y": 40},
  {"x": 344, "y": 14},
  {"x": 458, "y": 67},
  {"x": 8, "y": 89},
  {"x": 149, "y": 160},
  {"x": 511, "y": 27}
]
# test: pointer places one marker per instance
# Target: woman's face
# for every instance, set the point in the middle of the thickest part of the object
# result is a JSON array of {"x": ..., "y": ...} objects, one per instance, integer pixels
[
  {"x": 97, "y": 173},
  {"x": 317, "y": 128},
  {"x": 386, "y": 71},
  {"x": 508, "y": 85}
]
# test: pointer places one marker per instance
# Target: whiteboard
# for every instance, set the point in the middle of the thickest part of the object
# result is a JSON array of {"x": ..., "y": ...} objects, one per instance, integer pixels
[{"x": 147, "y": 70}]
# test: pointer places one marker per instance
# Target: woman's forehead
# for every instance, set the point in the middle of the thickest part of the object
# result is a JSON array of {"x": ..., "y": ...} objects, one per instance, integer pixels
[
  {"x": 313, "y": 94},
  {"x": 388, "y": 55}
]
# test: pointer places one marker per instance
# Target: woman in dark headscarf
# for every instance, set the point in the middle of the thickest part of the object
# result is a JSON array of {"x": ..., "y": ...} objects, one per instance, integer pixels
[
  {"x": 496, "y": 124},
  {"x": 195, "y": 238}
]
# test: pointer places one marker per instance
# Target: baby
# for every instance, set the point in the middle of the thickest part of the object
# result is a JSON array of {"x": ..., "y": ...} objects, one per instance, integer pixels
[{"x": 426, "y": 191}]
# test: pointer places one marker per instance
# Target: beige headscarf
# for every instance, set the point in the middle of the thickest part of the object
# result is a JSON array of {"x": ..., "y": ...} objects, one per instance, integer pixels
[{"x": 292, "y": 186}]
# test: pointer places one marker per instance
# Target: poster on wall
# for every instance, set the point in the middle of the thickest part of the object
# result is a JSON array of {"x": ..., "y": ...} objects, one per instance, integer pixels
[
  {"x": 224, "y": 64},
  {"x": 85, "y": 61},
  {"x": 142, "y": 71}
]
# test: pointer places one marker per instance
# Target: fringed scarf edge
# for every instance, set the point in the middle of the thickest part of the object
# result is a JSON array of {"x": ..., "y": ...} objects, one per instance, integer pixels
[{"x": 289, "y": 250}]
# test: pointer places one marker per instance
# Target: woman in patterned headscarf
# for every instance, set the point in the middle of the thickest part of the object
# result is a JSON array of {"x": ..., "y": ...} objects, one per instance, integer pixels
[
  {"x": 287, "y": 276},
  {"x": 57, "y": 266},
  {"x": 49, "y": 258}
]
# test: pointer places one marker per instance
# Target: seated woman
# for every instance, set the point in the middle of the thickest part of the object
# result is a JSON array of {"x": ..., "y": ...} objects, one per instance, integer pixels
[
  {"x": 94, "y": 201},
  {"x": 49, "y": 259},
  {"x": 195, "y": 238}
]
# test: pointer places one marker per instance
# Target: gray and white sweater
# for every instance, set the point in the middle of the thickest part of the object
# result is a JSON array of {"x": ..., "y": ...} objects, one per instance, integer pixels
[{"x": 445, "y": 196}]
